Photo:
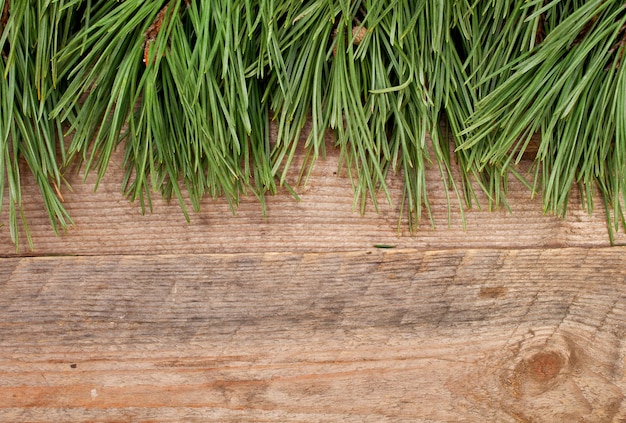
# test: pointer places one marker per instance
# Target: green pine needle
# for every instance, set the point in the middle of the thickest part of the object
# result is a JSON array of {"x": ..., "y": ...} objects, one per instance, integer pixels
[{"x": 187, "y": 89}]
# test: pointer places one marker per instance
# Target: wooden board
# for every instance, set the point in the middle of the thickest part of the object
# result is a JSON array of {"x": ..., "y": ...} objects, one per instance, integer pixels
[
  {"x": 298, "y": 317},
  {"x": 407, "y": 335}
]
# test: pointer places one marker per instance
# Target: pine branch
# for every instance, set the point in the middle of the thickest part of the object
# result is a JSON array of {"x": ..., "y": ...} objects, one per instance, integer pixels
[
  {"x": 27, "y": 95},
  {"x": 567, "y": 88},
  {"x": 187, "y": 90}
]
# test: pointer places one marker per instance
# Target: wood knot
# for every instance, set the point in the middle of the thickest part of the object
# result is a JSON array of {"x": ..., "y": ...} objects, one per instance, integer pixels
[
  {"x": 545, "y": 366},
  {"x": 539, "y": 372}
]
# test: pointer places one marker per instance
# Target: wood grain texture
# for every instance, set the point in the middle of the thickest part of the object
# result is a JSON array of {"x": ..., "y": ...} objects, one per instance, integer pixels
[
  {"x": 476, "y": 335},
  {"x": 325, "y": 220},
  {"x": 296, "y": 317}
]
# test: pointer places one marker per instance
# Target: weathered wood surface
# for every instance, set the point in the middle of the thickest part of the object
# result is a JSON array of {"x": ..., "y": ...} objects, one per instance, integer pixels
[
  {"x": 532, "y": 335},
  {"x": 325, "y": 220},
  {"x": 298, "y": 317}
]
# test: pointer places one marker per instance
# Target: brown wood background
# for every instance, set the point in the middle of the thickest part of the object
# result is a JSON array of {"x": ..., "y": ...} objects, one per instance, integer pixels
[{"x": 298, "y": 317}]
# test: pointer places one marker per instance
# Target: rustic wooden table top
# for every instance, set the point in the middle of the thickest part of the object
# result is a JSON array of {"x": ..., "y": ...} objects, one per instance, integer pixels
[{"x": 298, "y": 317}]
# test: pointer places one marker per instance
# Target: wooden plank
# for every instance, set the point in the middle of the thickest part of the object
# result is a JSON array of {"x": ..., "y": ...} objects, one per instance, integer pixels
[
  {"x": 325, "y": 220},
  {"x": 531, "y": 335}
]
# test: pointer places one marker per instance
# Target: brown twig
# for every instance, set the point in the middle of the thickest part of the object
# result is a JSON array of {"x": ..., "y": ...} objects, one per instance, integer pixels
[
  {"x": 541, "y": 29},
  {"x": 619, "y": 46},
  {"x": 153, "y": 31},
  {"x": 585, "y": 30},
  {"x": 4, "y": 17}
]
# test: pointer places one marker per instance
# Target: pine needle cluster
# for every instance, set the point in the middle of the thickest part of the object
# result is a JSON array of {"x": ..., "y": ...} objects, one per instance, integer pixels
[{"x": 188, "y": 89}]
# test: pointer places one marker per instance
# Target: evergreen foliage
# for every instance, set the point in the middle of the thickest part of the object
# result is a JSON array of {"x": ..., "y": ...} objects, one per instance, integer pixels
[{"x": 188, "y": 90}]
